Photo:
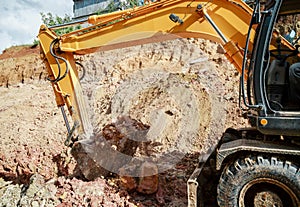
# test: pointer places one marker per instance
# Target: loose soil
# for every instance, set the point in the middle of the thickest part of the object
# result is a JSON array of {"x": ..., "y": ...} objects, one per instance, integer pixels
[{"x": 184, "y": 90}]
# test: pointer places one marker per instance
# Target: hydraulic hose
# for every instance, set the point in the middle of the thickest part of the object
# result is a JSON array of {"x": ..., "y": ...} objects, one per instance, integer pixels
[{"x": 57, "y": 58}]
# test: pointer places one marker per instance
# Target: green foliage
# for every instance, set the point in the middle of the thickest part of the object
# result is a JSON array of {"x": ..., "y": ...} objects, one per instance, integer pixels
[
  {"x": 51, "y": 20},
  {"x": 35, "y": 42},
  {"x": 115, "y": 6},
  {"x": 110, "y": 8},
  {"x": 132, "y": 3}
]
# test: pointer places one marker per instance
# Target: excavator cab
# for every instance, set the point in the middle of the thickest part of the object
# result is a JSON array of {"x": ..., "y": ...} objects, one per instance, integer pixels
[{"x": 273, "y": 89}]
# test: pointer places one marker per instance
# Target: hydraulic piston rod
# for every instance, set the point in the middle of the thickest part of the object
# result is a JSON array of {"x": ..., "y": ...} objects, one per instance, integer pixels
[
  {"x": 65, "y": 119},
  {"x": 212, "y": 23}
]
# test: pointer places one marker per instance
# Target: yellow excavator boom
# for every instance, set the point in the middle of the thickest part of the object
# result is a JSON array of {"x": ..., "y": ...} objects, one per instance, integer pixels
[{"x": 223, "y": 21}]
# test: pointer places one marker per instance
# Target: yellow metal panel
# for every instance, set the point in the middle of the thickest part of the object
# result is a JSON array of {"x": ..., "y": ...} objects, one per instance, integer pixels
[{"x": 152, "y": 23}]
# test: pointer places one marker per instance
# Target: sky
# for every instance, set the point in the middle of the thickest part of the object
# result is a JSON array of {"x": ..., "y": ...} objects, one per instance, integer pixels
[{"x": 20, "y": 19}]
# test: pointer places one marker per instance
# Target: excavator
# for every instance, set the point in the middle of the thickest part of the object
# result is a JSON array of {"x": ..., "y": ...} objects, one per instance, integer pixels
[{"x": 253, "y": 166}]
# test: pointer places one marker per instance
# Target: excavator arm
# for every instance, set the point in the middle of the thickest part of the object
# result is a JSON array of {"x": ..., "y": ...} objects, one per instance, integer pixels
[{"x": 223, "y": 21}]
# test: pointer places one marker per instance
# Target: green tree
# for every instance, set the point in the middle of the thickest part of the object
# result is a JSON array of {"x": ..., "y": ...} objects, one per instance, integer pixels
[
  {"x": 115, "y": 6},
  {"x": 50, "y": 20}
]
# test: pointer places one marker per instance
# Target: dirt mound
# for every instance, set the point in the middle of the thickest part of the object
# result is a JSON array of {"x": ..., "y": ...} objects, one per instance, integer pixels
[
  {"x": 20, "y": 64},
  {"x": 19, "y": 51},
  {"x": 185, "y": 90}
]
